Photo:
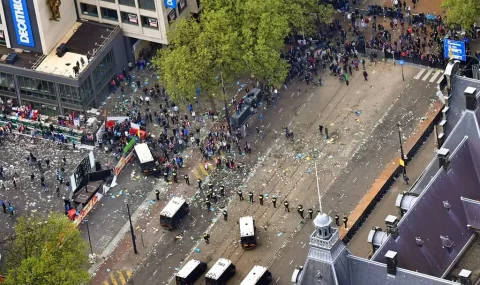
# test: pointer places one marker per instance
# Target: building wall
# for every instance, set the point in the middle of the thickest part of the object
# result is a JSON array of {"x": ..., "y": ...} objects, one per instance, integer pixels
[
  {"x": 3, "y": 26},
  {"x": 51, "y": 32},
  {"x": 137, "y": 17}
]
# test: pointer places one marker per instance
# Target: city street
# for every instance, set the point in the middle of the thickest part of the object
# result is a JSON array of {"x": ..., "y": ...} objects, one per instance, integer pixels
[{"x": 355, "y": 119}]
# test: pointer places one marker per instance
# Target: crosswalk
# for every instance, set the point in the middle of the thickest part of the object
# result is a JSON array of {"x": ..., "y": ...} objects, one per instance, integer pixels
[
  {"x": 200, "y": 171},
  {"x": 429, "y": 75},
  {"x": 118, "y": 277}
]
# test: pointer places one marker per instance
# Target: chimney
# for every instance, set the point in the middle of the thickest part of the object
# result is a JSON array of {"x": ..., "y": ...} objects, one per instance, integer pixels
[
  {"x": 465, "y": 277},
  {"x": 391, "y": 257},
  {"x": 443, "y": 159},
  {"x": 471, "y": 98},
  {"x": 391, "y": 222}
]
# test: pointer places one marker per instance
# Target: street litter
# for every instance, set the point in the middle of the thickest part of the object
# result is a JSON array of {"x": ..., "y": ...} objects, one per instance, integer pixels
[{"x": 279, "y": 234}]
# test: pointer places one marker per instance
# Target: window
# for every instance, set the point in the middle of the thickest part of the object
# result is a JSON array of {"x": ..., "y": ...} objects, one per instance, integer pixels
[
  {"x": 104, "y": 70},
  {"x": 111, "y": 1},
  {"x": 89, "y": 10},
  {"x": 37, "y": 88},
  {"x": 172, "y": 16},
  {"x": 109, "y": 14},
  {"x": 182, "y": 4},
  {"x": 147, "y": 4},
  {"x": 130, "y": 3},
  {"x": 129, "y": 18},
  {"x": 148, "y": 22},
  {"x": 3, "y": 42},
  {"x": 6, "y": 82}
]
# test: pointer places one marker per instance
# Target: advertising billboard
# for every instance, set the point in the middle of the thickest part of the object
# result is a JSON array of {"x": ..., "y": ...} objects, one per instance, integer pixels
[
  {"x": 21, "y": 23},
  {"x": 454, "y": 49}
]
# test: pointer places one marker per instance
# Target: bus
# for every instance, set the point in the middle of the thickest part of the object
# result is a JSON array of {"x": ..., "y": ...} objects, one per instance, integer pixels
[
  {"x": 220, "y": 272},
  {"x": 190, "y": 272},
  {"x": 173, "y": 212},
  {"x": 259, "y": 275},
  {"x": 248, "y": 237},
  {"x": 148, "y": 164}
]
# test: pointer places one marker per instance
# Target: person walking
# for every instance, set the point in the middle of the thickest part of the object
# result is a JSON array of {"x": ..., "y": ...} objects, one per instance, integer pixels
[
  {"x": 47, "y": 162},
  {"x": 187, "y": 179},
  {"x": 157, "y": 194},
  {"x": 240, "y": 195},
  {"x": 345, "y": 221},
  {"x": 405, "y": 178},
  {"x": 58, "y": 192},
  {"x": 64, "y": 160},
  {"x": 310, "y": 213},
  {"x": 337, "y": 220},
  {"x": 250, "y": 196},
  {"x": 225, "y": 215},
  {"x": 274, "y": 201},
  {"x": 208, "y": 204},
  {"x": 165, "y": 176},
  {"x": 206, "y": 237},
  {"x": 300, "y": 211},
  {"x": 326, "y": 133},
  {"x": 214, "y": 197},
  {"x": 260, "y": 199},
  {"x": 14, "y": 182},
  {"x": 222, "y": 191},
  {"x": 320, "y": 128},
  {"x": 32, "y": 177},
  {"x": 199, "y": 182},
  {"x": 175, "y": 179},
  {"x": 210, "y": 185},
  {"x": 3, "y": 206},
  {"x": 365, "y": 75},
  {"x": 11, "y": 210},
  {"x": 285, "y": 204}
]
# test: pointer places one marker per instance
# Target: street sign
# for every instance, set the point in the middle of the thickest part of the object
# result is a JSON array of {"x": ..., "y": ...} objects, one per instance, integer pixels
[
  {"x": 454, "y": 49},
  {"x": 401, "y": 62}
]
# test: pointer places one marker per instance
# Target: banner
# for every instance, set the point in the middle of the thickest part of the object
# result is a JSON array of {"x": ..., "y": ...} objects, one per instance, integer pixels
[
  {"x": 21, "y": 22},
  {"x": 153, "y": 22},
  {"x": 170, "y": 3},
  {"x": 87, "y": 208},
  {"x": 132, "y": 18},
  {"x": 120, "y": 165}
]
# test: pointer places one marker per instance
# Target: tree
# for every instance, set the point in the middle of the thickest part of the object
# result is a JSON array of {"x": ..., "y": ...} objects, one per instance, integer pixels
[
  {"x": 305, "y": 16},
  {"x": 462, "y": 12},
  {"x": 47, "y": 252}
]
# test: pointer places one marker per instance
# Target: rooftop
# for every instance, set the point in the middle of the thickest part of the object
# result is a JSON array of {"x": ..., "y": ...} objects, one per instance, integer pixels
[{"x": 83, "y": 38}]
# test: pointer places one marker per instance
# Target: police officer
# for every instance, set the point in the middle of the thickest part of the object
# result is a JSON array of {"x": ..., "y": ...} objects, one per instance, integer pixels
[
  {"x": 206, "y": 237},
  {"x": 337, "y": 218},
  {"x": 207, "y": 202},
  {"x": 345, "y": 221},
  {"x": 250, "y": 196},
  {"x": 210, "y": 194},
  {"x": 214, "y": 197},
  {"x": 240, "y": 194},
  {"x": 285, "y": 204},
  {"x": 222, "y": 191},
  {"x": 225, "y": 215},
  {"x": 300, "y": 211},
  {"x": 187, "y": 179},
  {"x": 157, "y": 193},
  {"x": 274, "y": 201},
  {"x": 199, "y": 181},
  {"x": 310, "y": 213},
  {"x": 175, "y": 177},
  {"x": 260, "y": 198},
  {"x": 210, "y": 185},
  {"x": 165, "y": 176}
]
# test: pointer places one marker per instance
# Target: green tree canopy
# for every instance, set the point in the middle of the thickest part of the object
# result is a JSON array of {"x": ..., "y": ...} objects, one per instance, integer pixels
[
  {"x": 47, "y": 252},
  {"x": 462, "y": 12}
]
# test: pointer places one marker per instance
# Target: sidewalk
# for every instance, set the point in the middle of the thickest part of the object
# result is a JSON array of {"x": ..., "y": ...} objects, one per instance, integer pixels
[{"x": 359, "y": 245}]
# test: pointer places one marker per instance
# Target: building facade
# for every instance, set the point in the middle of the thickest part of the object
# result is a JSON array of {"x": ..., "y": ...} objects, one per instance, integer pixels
[
  {"x": 142, "y": 21},
  {"x": 32, "y": 72}
]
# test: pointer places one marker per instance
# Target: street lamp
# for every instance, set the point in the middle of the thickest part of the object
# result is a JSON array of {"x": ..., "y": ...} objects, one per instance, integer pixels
[
  {"x": 401, "y": 149},
  {"x": 227, "y": 114},
  {"x": 131, "y": 230},
  {"x": 88, "y": 233}
]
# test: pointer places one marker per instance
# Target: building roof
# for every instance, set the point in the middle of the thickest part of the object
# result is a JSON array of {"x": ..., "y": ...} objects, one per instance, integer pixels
[
  {"x": 188, "y": 268},
  {"x": 218, "y": 268},
  {"x": 172, "y": 207}
]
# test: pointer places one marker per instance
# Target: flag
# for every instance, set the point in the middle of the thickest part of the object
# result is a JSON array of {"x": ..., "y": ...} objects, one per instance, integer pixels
[{"x": 401, "y": 162}]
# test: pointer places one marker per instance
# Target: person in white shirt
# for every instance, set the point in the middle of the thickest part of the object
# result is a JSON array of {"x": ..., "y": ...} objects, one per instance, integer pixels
[{"x": 147, "y": 99}]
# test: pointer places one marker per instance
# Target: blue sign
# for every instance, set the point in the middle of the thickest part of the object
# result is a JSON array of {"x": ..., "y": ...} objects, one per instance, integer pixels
[
  {"x": 170, "y": 3},
  {"x": 21, "y": 22},
  {"x": 401, "y": 62},
  {"x": 454, "y": 49}
]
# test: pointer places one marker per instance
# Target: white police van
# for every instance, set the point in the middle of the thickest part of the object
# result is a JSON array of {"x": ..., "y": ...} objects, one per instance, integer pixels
[
  {"x": 173, "y": 212},
  {"x": 190, "y": 272},
  {"x": 259, "y": 275},
  {"x": 248, "y": 237},
  {"x": 220, "y": 272}
]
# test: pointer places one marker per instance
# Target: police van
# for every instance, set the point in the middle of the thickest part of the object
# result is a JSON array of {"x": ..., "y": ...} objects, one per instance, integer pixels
[
  {"x": 190, "y": 272},
  {"x": 248, "y": 237},
  {"x": 148, "y": 165},
  {"x": 173, "y": 212},
  {"x": 221, "y": 271},
  {"x": 259, "y": 275}
]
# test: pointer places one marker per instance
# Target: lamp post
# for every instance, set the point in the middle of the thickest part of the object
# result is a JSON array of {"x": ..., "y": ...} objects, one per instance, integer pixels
[
  {"x": 401, "y": 149},
  {"x": 88, "y": 233},
  {"x": 131, "y": 230},
  {"x": 227, "y": 114}
]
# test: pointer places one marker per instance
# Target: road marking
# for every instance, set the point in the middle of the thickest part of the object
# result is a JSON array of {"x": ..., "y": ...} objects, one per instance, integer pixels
[
  {"x": 379, "y": 148},
  {"x": 291, "y": 261},
  {"x": 256, "y": 141},
  {"x": 427, "y": 74},
  {"x": 195, "y": 172},
  {"x": 354, "y": 179},
  {"x": 114, "y": 281},
  {"x": 120, "y": 276},
  {"x": 155, "y": 272},
  {"x": 342, "y": 196},
  {"x": 106, "y": 282},
  {"x": 419, "y": 74},
  {"x": 280, "y": 110},
  {"x": 440, "y": 79},
  {"x": 268, "y": 126},
  {"x": 367, "y": 164},
  {"x": 277, "y": 280},
  {"x": 292, "y": 94},
  {"x": 304, "y": 245},
  {"x": 129, "y": 273},
  {"x": 202, "y": 169},
  {"x": 435, "y": 75}
]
